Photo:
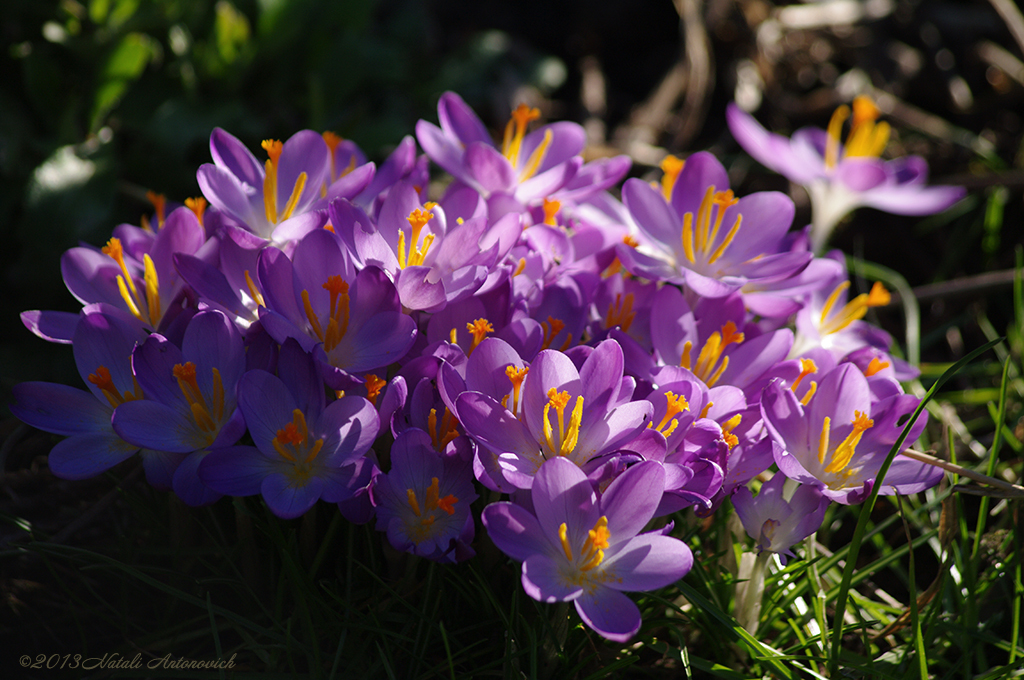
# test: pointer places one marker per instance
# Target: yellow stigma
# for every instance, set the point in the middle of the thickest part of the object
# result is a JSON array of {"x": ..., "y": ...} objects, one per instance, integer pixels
[
  {"x": 675, "y": 404},
  {"x": 337, "y": 319},
  {"x": 479, "y": 330},
  {"x": 592, "y": 551},
  {"x": 567, "y": 439},
  {"x": 373, "y": 387},
  {"x": 551, "y": 208},
  {"x": 103, "y": 380},
  {"x": 292, "y": 443},
  {"x": 444, "y": 432},
  {"x": 159, "y": 202},
  {"x": 516, "y": 376},
  {"x": 843, "y": 454},
  {"x": 515, "y": 130},
  {"x": 710, "y": 362},
  {"x": 867, "y": 138},
  {"x": 671, "y": 166},
  {"x": 595, "y": 545},
  {"x": 198, "y": 206},
  {"x": 126, "y": 285},
  {"x": 273, "y": 148},
  {"x": 427, "y": 512},
  {"x": 205, "y": 416},
  {"x": 874, "y": 366},
  {"x": 807, "y": 367},
  {"x": 854, "y": 310},
  {"x": 417, "y": 252},
  {"x": 552, "y": 327},
  {"x": 700, "y": 232},
  {"x": 620, "y": 313}
]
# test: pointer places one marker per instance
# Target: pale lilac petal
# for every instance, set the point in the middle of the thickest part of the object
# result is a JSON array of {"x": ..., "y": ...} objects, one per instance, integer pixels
[{"x": 647, "y": 562}]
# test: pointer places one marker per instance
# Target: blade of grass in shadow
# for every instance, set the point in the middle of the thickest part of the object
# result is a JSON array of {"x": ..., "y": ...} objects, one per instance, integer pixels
[
  {"x": 865, "y": 511},
  {"x": 974, "y": 562},
  {"x": 97, "y": 558}
]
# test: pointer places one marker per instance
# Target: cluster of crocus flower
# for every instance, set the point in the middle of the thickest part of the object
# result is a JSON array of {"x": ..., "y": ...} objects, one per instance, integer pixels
[{"x": 316, "y": 328}]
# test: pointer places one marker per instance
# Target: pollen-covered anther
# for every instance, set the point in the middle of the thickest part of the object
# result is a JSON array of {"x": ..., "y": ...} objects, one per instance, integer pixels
[
  {"x": 431, "y": 502},
  {"x": 274, "y": 148},
  {"x": 567, "y": 438},
  {"x": 103, "y": 380},
  {"x": 674, "y": 405},
  {"x": 728, "y": 426},
  {"x": 854, "y": 310},
  {"x": 417, "y": 252},
  {"x": 515, "y": 130},
  {"x": 338, "y": 314},
  {"x": 205, "y": 415},
  {"x": 444, "y": 432},
  {"x": 844, "y": 452},
  {"x": 710, "y": 362}
]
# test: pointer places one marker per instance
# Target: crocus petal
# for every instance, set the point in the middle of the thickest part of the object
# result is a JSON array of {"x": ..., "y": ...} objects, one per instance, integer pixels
[
  {"x": 613, "y": 615},
  {"x": 87, "y": 455},
  {"x": 514, "y": 530},
  {"x": 285, "y": 499},
  {"x": 647, "y": 562},
  {"x": 235, "y": 470},
  {"x": 544, "y": 581}
]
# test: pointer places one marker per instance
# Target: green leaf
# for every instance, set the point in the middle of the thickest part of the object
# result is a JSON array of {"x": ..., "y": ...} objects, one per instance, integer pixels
[{"x": 124, "y": 66}]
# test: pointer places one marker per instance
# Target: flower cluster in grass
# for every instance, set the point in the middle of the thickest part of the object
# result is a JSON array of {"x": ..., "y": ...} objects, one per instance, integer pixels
[{"x": 316, "y": 328}]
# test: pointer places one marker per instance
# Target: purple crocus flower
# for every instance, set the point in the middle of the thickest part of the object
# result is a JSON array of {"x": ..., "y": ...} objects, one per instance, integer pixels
[
  {"x": 103, "y": 342},
  {"x": 423, "y": 502},
  {"x": 305, "y": 450},
  {"x": 839, "y": 440},
  {"x": 778, "y": 524},
  {"x": 190, "y": 404},
  {"x": 840, "y": 178},
  {"x": 141, "y": 278},
  {"x": 707, "y": 238},
  {"x": 527, "y": 167},
  {"x": 578, "y": 547},
  {"x": 272, "y": 199},
  {"x": 354, "y": 318},
  {"x": 555, "y": 410}
]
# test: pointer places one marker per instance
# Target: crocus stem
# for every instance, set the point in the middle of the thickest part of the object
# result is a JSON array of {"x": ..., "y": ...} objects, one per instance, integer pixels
[{"x": 748, "y": 614}]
